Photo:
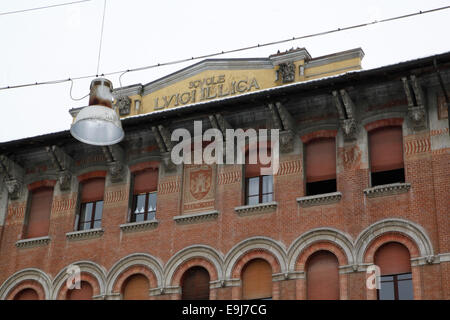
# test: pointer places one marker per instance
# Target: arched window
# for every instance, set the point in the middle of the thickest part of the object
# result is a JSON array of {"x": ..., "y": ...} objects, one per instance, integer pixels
[
  {"x": 26, "y": 294},
  {"x": 386, "y": 155},
  {"x": 91, "y": 209},
  {"x": 144, "y": 195},
  {"x": 320, "y": 166},
  {"x": 136, "y": 287},
  {"x": 257, "y": 280},
  {"x": 195, "y": 284},
  {"x": 84, "y": 293},
  {"x": 322, "y": 276},
  {"x": 39, "y": 214},
  {"x": 396, "y": 279},
  {"x": 258, "y": 187}
]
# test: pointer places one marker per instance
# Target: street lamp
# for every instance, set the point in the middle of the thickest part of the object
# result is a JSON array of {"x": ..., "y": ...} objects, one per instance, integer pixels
[{"x": 98, "y": 123}]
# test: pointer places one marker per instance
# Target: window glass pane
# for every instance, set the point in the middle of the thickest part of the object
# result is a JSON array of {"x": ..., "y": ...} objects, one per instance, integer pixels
[
  {"x": 98, "y": 210},
  {"x": 253, "y": 200},
  {"x": 139, "y": 217},
  {"x": 152, "y": 202},
  {"x": 387, "y": 278},
  {"x": 151, "y": 215},
  {"x": 86, "y": 211},
  {"x": 267, "y": 197},
  {"x": 97, "y": 224},
  {"x": 253, "y": 186},
  {"x": 267, "y": 184},
  {"x": 140, "y": 204},
  {"x": 404, "y": 276},
  {"x": 405, "y": 290},
  {"x": 86, "y": 226},
  {"x": 387, "y": 291}
]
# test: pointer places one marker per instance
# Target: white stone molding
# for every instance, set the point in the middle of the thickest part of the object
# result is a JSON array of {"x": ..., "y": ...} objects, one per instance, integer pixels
[
  {"x": 337, "y": 237},
  {"x": 408, "y": 228},
  {"x": 33, "y": 242},
  {"x": 277, "y": 249},
  {"x": 195, "y": 251},
  {"x": 320, "y": 199},
  {"x": 136, "y": 259},
  {"x": 139, "y": 226},
  {"x": 84, "y": 234},
  {"x": 253, "y": 209},
  {"x": 196, "y": 217},
  {"x": 387, "y": 189},
  {"x": 92, "y": 268},
  {"x": 23, "y": 275}
]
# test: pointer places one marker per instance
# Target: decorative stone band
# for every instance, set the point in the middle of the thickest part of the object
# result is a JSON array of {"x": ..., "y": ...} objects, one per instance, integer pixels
[
  {"x": 253, "y": 209},
  {"x": 139, "y": 226},
  {"x": 85, "y": 234},
  {"x": 196, "y": 217},
  {"x": 166, "y": 290},
  {"x": 112, "y": 296},
  {"x": 216, "y": 284},
  {"x": 33, "y": 242},
  {"x": 320, "y": 199},
  {"x": 387, "y": 190}
]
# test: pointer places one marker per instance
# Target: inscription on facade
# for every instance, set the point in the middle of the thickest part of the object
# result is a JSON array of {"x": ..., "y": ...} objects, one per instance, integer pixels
[{"x": 206, "y": 89}]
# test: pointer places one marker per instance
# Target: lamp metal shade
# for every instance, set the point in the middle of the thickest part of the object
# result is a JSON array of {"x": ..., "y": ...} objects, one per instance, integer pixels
[{"x": 98, "y": 124}]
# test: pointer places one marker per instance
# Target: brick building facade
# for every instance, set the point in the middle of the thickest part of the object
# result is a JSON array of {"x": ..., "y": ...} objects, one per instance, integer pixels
[{"x": 303, "y": 239}]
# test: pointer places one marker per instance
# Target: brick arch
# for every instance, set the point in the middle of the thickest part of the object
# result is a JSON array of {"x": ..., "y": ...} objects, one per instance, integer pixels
[
  {"x": 41, "y": 184},
  {"x": 317, "y": 134},
  {"x": 383, "y": 123},
  {"x": 255, "y": 254},
  {"x": 390, "y": 237},
  {"x": 91, "y": 175},
  {"x": 318, "y": 246},
  {"x": 27, "y": 277},
  {"x": 27, "y": 284},
  {"x": 194, "y": 262},
  {"x": 131, "y": 271},
  {"x": 87, "y": 277}
]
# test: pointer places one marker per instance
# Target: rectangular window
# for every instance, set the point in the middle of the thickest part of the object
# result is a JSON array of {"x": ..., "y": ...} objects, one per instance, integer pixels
[
  {"x": 396, "y": 287},
  {"x": 91, "y": 210},
  {"x": 259, "y": 190},
  {"x": 386, "y": 155},
  {"x": 320, "y": 166},
  {"x": 91, "y": 215},
  {"x": 39, "y": 215},
  {"x": 144, "y": 207}
]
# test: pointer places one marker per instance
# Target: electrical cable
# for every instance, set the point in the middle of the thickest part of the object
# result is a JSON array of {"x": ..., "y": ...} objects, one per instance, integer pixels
[
  {"x": 39, "y": 8},
  {"x": 230, "y": 51}
]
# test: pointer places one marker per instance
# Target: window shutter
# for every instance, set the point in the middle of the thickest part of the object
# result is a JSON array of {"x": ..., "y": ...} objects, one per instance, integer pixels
[
  {"x": 92, "y": 190},
  {"x": 146, "y": 181},
  {"x": 253, "y": 170},
  {"x": 84, "y": 293},
  {"x": 136, "y": 288},
  {"x": 393, "y": 258},
  {"x": 195, "y": 284},
  {"x": 320, "y": 159},
  {"x": 257, "y": 280},
  {"x": 39, "y": 216},
  {"x": 386, "y": 149},
  {"x": 322, "y": 275},
  {"x": 27, "y": 294}
]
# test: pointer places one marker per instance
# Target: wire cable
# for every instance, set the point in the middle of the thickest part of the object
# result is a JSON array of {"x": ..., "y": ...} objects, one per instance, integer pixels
[
  {"x": 101, "y": 36},
  {"x": 39, "y": 8},
  {"x": 231, "y": 51}
]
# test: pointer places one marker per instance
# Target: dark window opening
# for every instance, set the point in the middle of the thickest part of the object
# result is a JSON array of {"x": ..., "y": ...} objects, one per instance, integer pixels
[
  {"x": 387, "y": 177},
  {"x": 259, "y": 190},
  {"x": 144, "y": 207},
  {"x": 320, "y": 187},
  {"x": 90, "y": 215},
  {"x": 396, "y": 287}
]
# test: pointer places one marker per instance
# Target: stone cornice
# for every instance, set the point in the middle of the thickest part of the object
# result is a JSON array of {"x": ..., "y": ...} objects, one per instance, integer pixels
[
  {"x": 139, "y": 226},
  {"x": 320, "y": 199},
  {"x": 256, "y": 208},
  {"x": 33, "y": 242},
  {"x": 85, "y": 234},
  {"x": 387, "y": 190},
  {"x": 196, "y": 217}
]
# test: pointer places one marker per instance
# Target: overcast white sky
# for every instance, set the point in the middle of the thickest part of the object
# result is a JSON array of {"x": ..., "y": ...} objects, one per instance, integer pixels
[{"x": 63, "y": 42}]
